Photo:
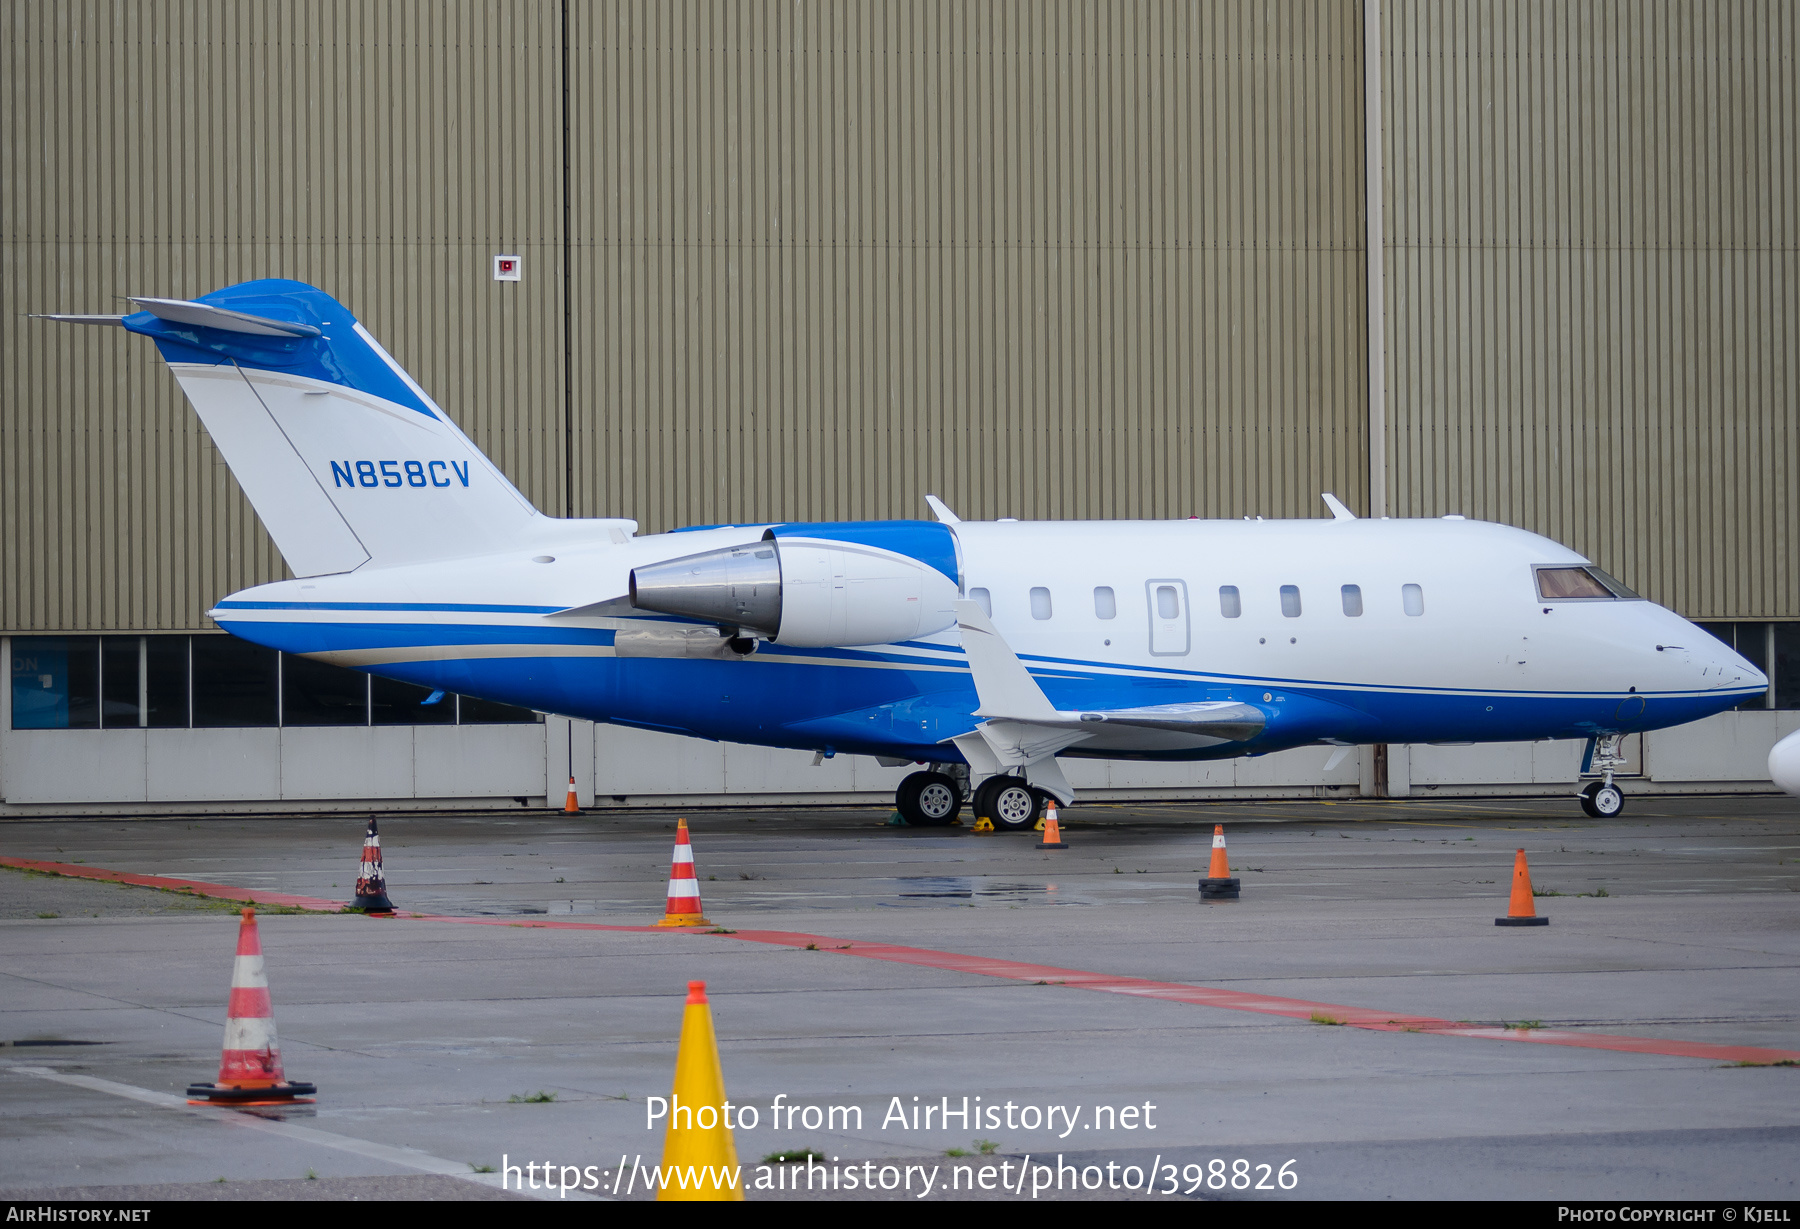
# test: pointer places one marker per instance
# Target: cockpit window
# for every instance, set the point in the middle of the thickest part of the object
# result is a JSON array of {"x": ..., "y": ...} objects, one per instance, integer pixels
[{"x": 1580, "y": 584}]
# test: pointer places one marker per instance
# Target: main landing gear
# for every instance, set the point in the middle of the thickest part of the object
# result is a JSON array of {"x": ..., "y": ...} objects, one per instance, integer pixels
[
  {"x": 1009, "y": 802},
  {"x": 1602, "y": 799},
  {"x": 931, "y": 799}
]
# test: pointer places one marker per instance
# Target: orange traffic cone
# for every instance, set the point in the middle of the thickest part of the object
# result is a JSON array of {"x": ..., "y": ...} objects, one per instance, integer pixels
[
  {"x": 1218, "y": 884},
  {"x": 1521, "y": 912},
  {"x": 250, "y": 1067},
  {"x": 1052, "y": 832},
  {"x": 684, "y": 890},
  {"x": 572, "y": 806},
  {"x": 371, "y": 884},
  {"x": 699, "y": 1154}
]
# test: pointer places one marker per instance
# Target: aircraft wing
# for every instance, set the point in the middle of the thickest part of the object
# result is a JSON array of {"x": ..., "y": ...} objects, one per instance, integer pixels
[{"x": 1022, "y": 730}]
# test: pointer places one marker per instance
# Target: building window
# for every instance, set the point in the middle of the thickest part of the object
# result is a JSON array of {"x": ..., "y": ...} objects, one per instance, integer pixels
[
  {"x": 55, "y": 683},
  {"x": 1040, "y": 602},
  {"x": 1230, "y": 604},
  {"x": 178, "y": 682},
  {"x": 392, "y": 702},
  {"x": 1412, "y": 599},
  {"x": 235, "y": 683},
  {"x": 1105, "y": 605},
  {"x": 1352, "y": 601},
  {"x": 1290, "y": 601},
  {"x": 317, "y": 693},
  {"x": 1773, "y": 648}
]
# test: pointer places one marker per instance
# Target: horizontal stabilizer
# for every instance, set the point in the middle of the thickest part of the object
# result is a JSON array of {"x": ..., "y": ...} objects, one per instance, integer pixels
[
  {"x": 78, "y": 317},
  {"x": 205, "y": 315}
]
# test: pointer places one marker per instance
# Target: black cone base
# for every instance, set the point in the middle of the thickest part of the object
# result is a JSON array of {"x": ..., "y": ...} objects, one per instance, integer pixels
[
  {"x": 226, "y": 1094},
  {"x": 1218, "y": 889},
  {"x": 1521, "y": 921},
  {"x": 377, "y": 903}
]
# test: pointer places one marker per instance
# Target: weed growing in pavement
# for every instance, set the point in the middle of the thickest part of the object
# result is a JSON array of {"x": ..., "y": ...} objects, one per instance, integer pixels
[
  {"x": 540, "y": 1097},
  {"x": 1319, "y": 1017},
  {"x": 987, "y": 1147},
  {"x": 480, "y": 1169},
  {"x": 792, "y": 1156}
]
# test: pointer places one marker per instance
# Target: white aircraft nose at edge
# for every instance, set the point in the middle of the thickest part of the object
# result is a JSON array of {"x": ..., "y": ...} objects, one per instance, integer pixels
[{"x": 981, "y": 650}]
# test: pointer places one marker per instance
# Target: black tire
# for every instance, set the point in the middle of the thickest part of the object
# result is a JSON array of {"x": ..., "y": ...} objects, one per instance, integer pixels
[
  {"x": 1009, "y": 802},
  {"x": 1603, "y": 801},
  {"x": 928, "y": 799}
]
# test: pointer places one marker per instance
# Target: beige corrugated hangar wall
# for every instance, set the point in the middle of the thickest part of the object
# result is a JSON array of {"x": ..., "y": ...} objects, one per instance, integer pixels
[{"x": 816, "y": 260}]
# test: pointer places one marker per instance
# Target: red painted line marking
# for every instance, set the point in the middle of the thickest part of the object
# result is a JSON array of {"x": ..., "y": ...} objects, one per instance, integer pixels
[
  {"x": 1013, "y": 970},
  {"x": 196, "y": 887}
]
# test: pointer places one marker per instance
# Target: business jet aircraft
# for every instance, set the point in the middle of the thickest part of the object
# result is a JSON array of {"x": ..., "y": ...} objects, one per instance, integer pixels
[{"x": 982, "y": 651}]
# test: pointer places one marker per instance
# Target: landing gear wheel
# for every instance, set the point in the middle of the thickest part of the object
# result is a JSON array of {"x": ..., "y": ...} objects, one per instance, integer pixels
[
  {"x": 928, "y": 799},
  {"x": 1602, "y": 800},
  {"x": 1009, "y": 802}
]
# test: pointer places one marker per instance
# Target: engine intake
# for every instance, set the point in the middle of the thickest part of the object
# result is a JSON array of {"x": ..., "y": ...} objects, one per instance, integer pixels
[{"x": 804, "y": 592}]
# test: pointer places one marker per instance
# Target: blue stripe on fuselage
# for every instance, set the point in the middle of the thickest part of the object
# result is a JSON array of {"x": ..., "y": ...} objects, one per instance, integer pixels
[{"x": 887, "y": 708}]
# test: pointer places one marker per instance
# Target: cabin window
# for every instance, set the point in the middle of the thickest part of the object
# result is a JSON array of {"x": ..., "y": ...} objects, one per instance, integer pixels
[
  {"x": 1230, "y": 605},
  {"x": 1105, "y": 605},
  {"x": 1353, "y": 601},
  {"x": 1580, "y": 584},
  {"x": 1168, "y": 605},
  {"x": 983, "y": 599},
  {"x": 1290, "y": 601},
  {"x": 1412, "y": 598},
  {"x": 1040, "y": 602}
]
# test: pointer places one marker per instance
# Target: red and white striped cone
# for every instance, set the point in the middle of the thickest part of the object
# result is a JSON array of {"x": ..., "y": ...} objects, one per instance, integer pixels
[
  {"x": 1218, "y": 884},
  {"x": 371, "y": 885},
  {"x": 684, "y": 889},
  {"x": 250, "y": 1066}
]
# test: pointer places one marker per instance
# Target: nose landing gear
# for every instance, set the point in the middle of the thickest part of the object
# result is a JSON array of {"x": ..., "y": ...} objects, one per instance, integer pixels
[{"x": 1602, "y": 799}]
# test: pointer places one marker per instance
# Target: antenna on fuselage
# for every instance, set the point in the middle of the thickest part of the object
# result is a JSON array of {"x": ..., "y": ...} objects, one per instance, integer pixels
[{"x": 1338, "y": 511}]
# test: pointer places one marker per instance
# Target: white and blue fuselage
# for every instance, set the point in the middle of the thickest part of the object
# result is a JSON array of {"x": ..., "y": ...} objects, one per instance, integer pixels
[
  {"x": 999, "y": 645},
  {"x": 1486, "y": 658}
]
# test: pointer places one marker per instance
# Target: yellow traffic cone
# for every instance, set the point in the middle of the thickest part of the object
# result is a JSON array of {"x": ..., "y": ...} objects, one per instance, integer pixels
[{"x": 699, "y": 1158}]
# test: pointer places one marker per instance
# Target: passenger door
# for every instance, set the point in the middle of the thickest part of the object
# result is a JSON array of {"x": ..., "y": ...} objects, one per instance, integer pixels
[{"x": 1168, "y": 617}]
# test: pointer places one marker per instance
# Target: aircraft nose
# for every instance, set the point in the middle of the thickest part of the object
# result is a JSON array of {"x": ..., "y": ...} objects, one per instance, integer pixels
[{"x": 1722, "y": 667}]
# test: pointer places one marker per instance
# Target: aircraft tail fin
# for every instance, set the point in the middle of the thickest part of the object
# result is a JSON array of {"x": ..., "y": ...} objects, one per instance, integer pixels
[{"x": 345, "y": 458}]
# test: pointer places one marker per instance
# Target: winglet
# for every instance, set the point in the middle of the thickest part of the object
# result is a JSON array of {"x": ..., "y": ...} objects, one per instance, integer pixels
[
  {"x": 943, "y": 513},
  {"x": 1003, "y": 685},
  {"x": 1338, "y": 511}
]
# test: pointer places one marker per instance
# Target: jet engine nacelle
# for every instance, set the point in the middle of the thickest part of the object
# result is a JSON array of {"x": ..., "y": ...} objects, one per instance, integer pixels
[{"x": 804, "y": 592}]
